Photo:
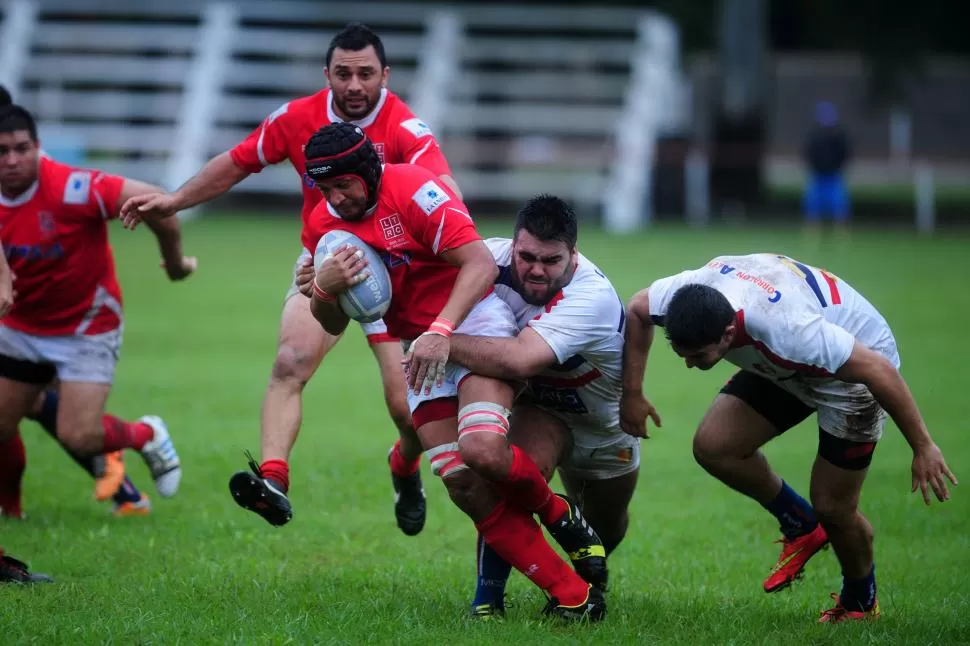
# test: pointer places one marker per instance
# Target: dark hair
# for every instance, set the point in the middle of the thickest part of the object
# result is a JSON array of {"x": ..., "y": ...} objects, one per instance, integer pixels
[
  {"x": 14, "y": 118},
  {"x": 5, "y": 98},
  {"x": 548, "y": 217},
  {"x": 355, "y": 37},
  {"x": 697, "y": 316}
]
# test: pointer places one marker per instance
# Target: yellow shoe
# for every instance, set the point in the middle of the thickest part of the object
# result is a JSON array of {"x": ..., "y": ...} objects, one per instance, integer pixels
[
  {"x": 111, "y": 479},
  {"x": 141, "y": 508}
]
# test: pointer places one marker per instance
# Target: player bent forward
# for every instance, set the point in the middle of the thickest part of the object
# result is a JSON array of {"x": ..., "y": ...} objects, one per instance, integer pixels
[
  {"x": 805, "y": 342},
  {"x": 442, "y": 275},
  {"x": 569, "y": 348}
]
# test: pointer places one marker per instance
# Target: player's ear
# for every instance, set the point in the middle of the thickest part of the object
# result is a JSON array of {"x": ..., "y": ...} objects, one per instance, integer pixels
[
  {"x": 326, "y": 74},
  {"x": 728, "y": 337},
  {"x": 385, "y": 73}
]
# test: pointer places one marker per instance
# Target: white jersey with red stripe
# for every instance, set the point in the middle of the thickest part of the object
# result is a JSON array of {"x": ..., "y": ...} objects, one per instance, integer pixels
[
  {"x": 583, "y": 324},
  {"x": 797, "y": 324}
]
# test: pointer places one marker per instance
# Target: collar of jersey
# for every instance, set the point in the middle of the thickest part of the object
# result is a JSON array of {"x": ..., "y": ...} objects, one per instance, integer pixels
[
  {"x": 363, "y": 123},
  {"x": 21, "y": 199}
]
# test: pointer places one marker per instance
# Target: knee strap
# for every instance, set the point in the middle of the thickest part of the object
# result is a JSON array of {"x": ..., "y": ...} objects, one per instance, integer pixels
[
  {"x": 445, "y": 460},
  {"x": 482, "y": 417}
]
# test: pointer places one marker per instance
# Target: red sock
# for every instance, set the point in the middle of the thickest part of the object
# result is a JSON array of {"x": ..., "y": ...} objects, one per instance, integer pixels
[
  {"x": 119, "y": 434},
  {"x": 515, "y": 536},
  {"x": 13, "y": 463},
  {"x": 527, "y": 488},
  {"x": 400, "y": 466},
  {"x": 277, "y": 470}
]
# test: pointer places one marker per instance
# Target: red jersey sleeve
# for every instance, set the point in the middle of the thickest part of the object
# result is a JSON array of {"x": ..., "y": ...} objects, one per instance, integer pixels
[
  {"x": 265, "y": 145},
  {"x": 418, "y": 146},
  {"x": 93, "y": 193},
  {"x": 437, "y": 218}
]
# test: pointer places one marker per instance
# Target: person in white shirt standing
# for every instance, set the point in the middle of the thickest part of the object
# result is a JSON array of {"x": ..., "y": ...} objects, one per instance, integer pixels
[{"x": 805, "y": 342}]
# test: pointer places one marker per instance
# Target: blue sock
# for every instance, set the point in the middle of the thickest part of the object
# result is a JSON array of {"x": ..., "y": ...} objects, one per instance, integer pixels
[
  {"x": 794, "y": 513},
  {"x": 493, "y": 574},
  {"x": 127, "y": 492},
  {"x": 859, "y": 594}
]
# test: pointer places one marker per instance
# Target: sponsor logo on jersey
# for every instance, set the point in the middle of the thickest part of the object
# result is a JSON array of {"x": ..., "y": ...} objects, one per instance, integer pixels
[
  {"x": 78, "y": 188},
  {"x": 430, "y": 196},
  {"x": 380, "y": 151},
  {"x": 392, "y": 227},
  {"x": 394, "y": 259},
  {"x": 416, "y": 127},
  {"x": 45, "y": 221}
]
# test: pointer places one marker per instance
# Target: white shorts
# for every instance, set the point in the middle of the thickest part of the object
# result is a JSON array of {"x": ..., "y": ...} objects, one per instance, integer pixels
[
  {"x": 611, "y": 460},
  {"x": 490, "y": 317},
  {"x": 376, "y": 331},
  {"x": 86, "y": 358}
]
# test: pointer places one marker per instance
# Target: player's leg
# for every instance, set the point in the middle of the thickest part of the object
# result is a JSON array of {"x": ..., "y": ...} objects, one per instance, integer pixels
[
  {"x": 507, "y": 528},
  {"x": 86, "y": 368},
  {"x": 108, "y": 470},
  {"x": 602, "y": 480},
  {"x": 404, "y": 458},
  {"x": 546, "y": 440},
  {"x": 844, "y": 455},
  {"x": 17, "y": 391},
  {"x": 22, "y": 377},
  {"x": 300, "y": 349},
  {"x": 14, "y": 571},
  {"x": 748, "y": 413},
  {"x": 302, "y": 345}
]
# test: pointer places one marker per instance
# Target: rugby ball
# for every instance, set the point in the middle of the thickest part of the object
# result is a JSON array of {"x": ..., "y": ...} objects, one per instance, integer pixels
[{"x": 367, "y": 301}]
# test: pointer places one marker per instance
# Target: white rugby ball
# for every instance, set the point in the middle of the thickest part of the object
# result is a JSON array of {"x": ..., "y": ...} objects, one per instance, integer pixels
[{"x": 367, "y": 301}]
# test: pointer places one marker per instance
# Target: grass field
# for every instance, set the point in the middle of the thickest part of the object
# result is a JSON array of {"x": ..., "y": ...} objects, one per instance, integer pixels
[{"x": 201, "y": 570}]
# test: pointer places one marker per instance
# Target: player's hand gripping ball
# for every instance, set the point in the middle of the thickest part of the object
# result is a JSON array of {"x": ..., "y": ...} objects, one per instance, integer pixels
[{"x": 366, "y": 296}]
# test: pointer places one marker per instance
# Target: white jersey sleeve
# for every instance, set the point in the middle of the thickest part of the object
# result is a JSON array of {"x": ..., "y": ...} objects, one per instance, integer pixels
[{"x": 582, "y": 320}]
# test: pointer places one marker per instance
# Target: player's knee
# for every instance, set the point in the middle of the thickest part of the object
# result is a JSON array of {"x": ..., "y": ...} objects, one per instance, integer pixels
[
  {"x": 482, "y": 431},
  {"x": 293, "y": 365},
  {"x": 81, "y": 439},
  {"x": 707, "y": 451},
  {"x": 832, "y": 511}
]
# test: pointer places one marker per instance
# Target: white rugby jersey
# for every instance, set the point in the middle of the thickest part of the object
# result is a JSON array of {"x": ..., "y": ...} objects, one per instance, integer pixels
[
  {"x": 796, "y": 323},
  {"x": 584, "y": 325}
]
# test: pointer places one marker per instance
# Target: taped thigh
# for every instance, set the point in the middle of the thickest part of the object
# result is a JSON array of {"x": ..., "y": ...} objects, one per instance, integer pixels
[{"x": 483, "y": 417}]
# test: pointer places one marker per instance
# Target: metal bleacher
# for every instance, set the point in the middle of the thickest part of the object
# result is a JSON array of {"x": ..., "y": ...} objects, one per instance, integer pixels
[{"x": 524, "y": 99}]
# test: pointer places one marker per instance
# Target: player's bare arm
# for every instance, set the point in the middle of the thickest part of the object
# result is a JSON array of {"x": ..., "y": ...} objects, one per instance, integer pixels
[
  {"x": 520, "y": 357},
  {"x": 883, "y": 380},
  {"x": 338, "y": 273},
  {"x": 7, "y": 294},
  {"x": 167, "y": 232},
  {"x": 428, "y": 354},
  {"x": 215, "y": 179},
  {"x": 635, "y": 408}
]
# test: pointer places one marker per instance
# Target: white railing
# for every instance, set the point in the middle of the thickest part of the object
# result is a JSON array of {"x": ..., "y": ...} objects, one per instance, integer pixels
[
  {"x": 627, "y": 201},
  {"x": 202, "y": 93},
  {"x": 437, "y": 67},
  {"x": 15, "y": 34}
]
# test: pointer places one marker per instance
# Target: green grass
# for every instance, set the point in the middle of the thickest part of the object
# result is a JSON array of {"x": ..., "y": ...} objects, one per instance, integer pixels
[{"x": 200, "y": 570}]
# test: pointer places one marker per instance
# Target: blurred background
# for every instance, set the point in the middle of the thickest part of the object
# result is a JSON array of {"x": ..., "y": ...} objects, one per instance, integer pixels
[{"x": 696, "y": 110}]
